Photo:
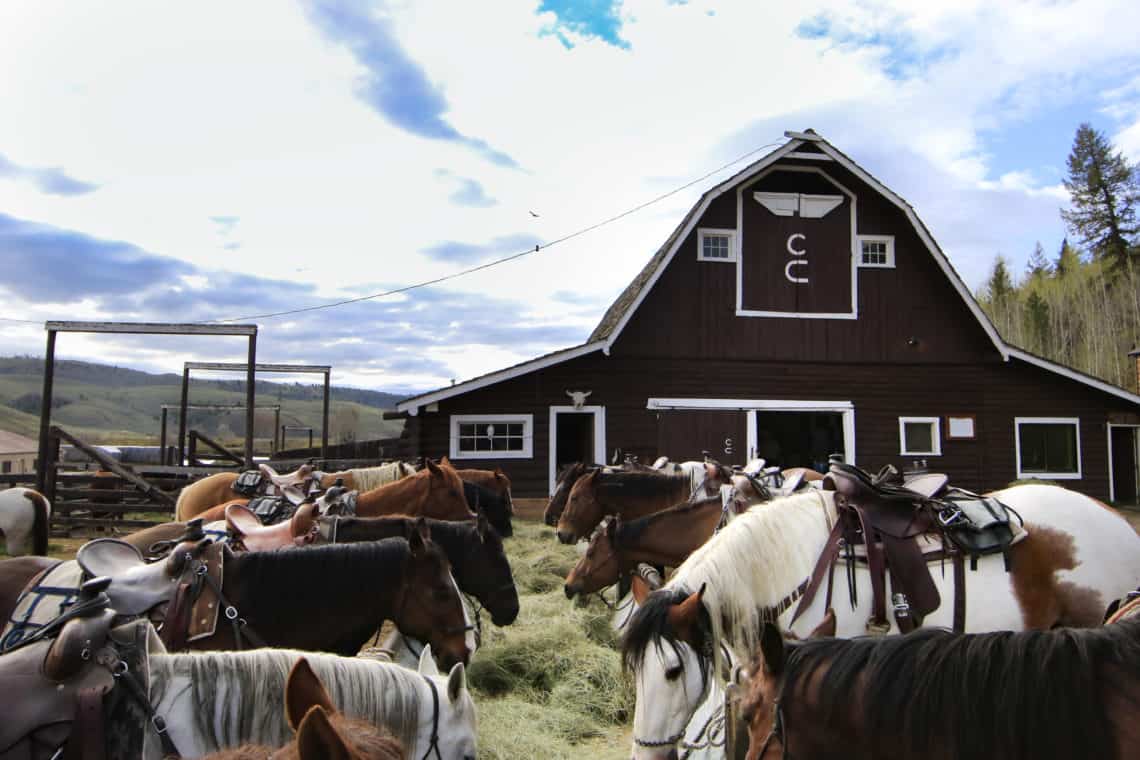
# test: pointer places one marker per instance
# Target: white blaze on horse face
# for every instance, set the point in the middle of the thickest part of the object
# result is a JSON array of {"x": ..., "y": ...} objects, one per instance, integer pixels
[
  {"x": 456, "y": 720},
  {"x": 665, "y": 705}
]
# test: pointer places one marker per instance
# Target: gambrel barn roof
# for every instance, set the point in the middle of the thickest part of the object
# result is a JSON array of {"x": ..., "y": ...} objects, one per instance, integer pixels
[{"x": 807, "y": 145}]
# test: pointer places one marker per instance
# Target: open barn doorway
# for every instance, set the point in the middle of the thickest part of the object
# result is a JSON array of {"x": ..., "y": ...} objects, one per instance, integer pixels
[
  {"x": 576, "y": 435},
  {"x": 1124, "y": 459},
  {"x": 799, "y": 439}
]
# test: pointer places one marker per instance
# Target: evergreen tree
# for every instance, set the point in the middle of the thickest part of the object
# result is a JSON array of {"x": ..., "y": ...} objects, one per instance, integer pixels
[
  {"x": 999, "y": 285},
  {"x": 1068, "y": 260},
  {"x": 1038, "y": 264},
  {"x": 1036, "y": 320},
  {"x": 1104, "y": 193}
]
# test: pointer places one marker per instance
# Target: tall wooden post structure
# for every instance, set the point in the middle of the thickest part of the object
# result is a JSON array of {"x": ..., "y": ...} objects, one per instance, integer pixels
[{"x": 53, "y": 328}]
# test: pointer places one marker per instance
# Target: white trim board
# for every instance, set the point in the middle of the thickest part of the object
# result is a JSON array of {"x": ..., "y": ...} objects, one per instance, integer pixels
[
  {"x": 935, "y": 436},
  {"x": 1018, "y": 421},
  {"x": 1111, "y": 474},
  {"x": 599, "y": 413},
  {"x": 412, "y": 405}
]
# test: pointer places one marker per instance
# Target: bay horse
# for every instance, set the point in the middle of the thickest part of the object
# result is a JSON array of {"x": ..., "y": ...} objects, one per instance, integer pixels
[
  {"x": 330, "y": 598},
  {"x": 24, "y": 518},
  {"x": 321, "y": 730},
  {"x": 497, "y": 509},
  {"x": 1077, "y": 554},
  {"x": 662, "y": 539},
  {"x": 935, "y": 695},
  {"x": 473, "y": 548},
  {"x": 628, "y": 494},
  {"x": 496, "y": 480}
]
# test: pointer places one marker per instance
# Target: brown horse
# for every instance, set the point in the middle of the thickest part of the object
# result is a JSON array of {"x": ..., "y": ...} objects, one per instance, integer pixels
[
  {"x": 662, "y": 539},
  {"x": 627, "y": 494},
  {"x": 935, "y": 695},
  {"x": 493, "y": 480},
  {"x": 562, "y": 486},
  {"x": 322, "y": 732},
  {"x": 435, "y": 491},
  {"x": 204, "y": 493}
]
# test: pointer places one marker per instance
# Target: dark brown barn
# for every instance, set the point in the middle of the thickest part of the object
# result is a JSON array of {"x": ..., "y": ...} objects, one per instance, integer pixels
[{"x": 800, "y": 308}]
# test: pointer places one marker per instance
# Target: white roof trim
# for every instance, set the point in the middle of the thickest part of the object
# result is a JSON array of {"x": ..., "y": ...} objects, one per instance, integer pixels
[
  {"x": 1072, "y": 374},
  {"x": 694, "y": 217},
  {"x": 413, "y": 404}
]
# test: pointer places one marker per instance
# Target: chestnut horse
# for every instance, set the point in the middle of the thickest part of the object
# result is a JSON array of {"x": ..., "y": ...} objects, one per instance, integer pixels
[
  {"x": 663, "y": 539},
  {"x": 932, "y": 694},
  {"x": 435, "y": 491},
  {"x": 628, "y": 494}
]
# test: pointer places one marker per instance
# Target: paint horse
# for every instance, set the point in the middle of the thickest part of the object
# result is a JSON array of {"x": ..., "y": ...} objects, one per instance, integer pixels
[
  {"x": 1077, "y": 554},
  {"x": 936, "y": 694},
  {"x": 24, "y": 518},
  {"x": 321, "y": 730},
  {"x": 629, "y": 494}
]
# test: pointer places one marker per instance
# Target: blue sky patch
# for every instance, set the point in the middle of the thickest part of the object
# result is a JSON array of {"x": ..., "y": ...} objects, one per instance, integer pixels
[
  {"x": 900, "y": 55},
  {"x": 456, "y": 252},
  {"x": 598, "y": 19},
  {"x": 50, "y": 180}
]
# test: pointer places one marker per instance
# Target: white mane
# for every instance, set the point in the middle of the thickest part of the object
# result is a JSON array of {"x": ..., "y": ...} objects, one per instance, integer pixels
[
  {"x": 754, "y": 562},
  {"x": 368, "y": 478},
  {"x": 239, "y": 696}
]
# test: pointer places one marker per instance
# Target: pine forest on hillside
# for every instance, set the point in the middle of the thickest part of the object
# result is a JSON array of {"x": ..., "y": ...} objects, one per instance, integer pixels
[{"x": 1081, "y": 307}]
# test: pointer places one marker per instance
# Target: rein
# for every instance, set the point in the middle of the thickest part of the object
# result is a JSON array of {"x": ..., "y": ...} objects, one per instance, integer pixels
[
  {"x": 434, "y": 745},
  {"x": 778, "y": 733}
]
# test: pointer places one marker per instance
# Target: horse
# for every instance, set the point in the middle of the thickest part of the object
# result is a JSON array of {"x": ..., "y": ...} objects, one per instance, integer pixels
[
  {"x": 214, "y": 700},
  {"x": 496, "y": 480},
  {"x": 24, "y": 517},
  {"x": 934, "y": 694},
  {"x": 321, "y": 730},
  {"x": 1077, "y": 553},
  {"x": 628, "y": 494},
  {"x": 367, "y": 478},
  {"x": 435, "y": 491},
  {"x": 662, "y": 539},
  {"x": 491, "y": 503},
  {"x": 204, "y": 493},
  {"x": 473, "y": 548},
  {"x": 565, "y": 481},
  {"x": 328, "y": 598}
]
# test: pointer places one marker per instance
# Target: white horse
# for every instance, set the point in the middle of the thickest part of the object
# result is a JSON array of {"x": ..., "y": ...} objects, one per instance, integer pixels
[
  {"x": 1078, "y": 555},
  {"x": 24, "y": 517},
  {"x": 212, "y": 700}
]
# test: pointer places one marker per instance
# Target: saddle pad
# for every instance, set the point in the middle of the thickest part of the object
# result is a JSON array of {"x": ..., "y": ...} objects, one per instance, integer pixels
[
  {"x": 931, "y": 543},
  {"x": 46, "y": 597},
  {"x": 271, "y": 509}
]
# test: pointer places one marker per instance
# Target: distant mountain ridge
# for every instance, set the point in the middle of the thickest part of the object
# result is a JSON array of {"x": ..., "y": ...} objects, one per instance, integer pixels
[{"x": 109, "y": 403}]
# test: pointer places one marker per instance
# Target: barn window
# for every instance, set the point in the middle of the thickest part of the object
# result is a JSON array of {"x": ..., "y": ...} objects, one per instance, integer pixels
[
  {"x": 877, "y": 251},
  {"x": 1048, "y": 447},
  {"x": 716, "y": 245},
  {"x": 492, "y": 436},
  {"x": 5, "y": 467},
  {"x": 920, "y": 435}
]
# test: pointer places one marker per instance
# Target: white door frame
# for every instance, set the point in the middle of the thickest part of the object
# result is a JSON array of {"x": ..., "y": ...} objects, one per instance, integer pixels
[
  {"x": 599, "y": 413},
  {"x": 1111, "y": 478},
  {"x": 751, "y": 406}
]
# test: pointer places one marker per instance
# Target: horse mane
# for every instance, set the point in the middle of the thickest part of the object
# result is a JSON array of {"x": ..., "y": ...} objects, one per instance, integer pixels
[
  {"x": 367, "y": 478},
  {"x": 755, "y": 561},
  {"x": 638, "y": 483},
  {"x": 650, "y": 627},
  {"x": 632, "y": 530},
  {"x": 237, "y": 696},
  {"x": 1033, "y": 694}
]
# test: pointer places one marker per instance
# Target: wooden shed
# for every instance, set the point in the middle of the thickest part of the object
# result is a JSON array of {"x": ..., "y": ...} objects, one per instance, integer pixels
[{"x": 800, "y": 308}]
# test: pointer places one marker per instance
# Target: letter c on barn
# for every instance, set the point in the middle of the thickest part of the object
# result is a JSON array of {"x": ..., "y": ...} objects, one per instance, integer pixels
[
  {"x": 788, "y": 271},
  {"x": 791, "y": 239}
]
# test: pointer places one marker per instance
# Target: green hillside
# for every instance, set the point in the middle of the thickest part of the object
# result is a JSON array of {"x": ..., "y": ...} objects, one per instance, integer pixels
[{"x": 116, "y": 405}]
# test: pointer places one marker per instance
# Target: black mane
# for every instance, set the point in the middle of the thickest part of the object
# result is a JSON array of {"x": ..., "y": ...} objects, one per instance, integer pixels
[
  {"x": 494, "y": 505},
  {"x": 630, "y": 532},
  {"x": 650, "y": 627},
  {"x": 633, "y": 484},
  {"x": 1036, "y": 694}
]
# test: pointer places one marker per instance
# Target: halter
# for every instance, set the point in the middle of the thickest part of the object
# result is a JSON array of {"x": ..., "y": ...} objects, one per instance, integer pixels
[
  {"x": 433, "y": 746},
  {"x": 672, "y": 740},
  {"x": 777, "y": 732}
]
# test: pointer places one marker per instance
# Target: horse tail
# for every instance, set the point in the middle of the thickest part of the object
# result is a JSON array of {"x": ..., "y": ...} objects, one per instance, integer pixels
[{"x": 41, "y": 513}]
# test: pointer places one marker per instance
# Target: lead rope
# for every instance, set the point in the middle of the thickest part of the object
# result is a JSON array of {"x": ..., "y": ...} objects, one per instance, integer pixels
[{"x": 122, "y": 674}]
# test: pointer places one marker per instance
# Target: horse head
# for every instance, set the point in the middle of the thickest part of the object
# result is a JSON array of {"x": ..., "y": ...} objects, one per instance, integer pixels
[
  {"x": 583, "y": 510},
  {"x": 429, "y": 607},
  {"x": 566, "y": 480},
  {"x": 445, "y": 491},
  {"x": 600, "y": 566},
  {"x": 486, "y": 572}
]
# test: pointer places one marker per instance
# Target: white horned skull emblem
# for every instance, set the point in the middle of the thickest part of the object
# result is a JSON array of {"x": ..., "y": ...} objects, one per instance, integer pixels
[{"x": 578, "y": 397}]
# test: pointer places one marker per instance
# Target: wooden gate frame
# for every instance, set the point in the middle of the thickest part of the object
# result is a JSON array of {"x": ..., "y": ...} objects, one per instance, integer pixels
[
  {"x": 138, "y": 328},
  {"x": 275, "y": 408},
  {"x": 288, "y": 369}
]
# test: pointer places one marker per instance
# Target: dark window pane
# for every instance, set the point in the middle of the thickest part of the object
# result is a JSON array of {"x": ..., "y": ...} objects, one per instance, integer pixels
[
  {"x": 1047, "y": 447},
  {"x": 466, "y": 444},
  {"x": 919, "y": 436}
]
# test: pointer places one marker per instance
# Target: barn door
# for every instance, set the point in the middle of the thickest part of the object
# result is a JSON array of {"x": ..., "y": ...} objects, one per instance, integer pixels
[
  {"x": 1125, "y": 466},
  {"x": 683, "y": 434}
]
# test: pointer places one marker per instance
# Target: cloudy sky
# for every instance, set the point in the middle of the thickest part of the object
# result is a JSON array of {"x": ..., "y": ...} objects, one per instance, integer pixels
[{"x": 212, "y": 160}]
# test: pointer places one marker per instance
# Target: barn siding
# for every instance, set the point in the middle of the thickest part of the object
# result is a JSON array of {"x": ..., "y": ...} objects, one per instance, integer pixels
[{"x": 995, "y": 393}]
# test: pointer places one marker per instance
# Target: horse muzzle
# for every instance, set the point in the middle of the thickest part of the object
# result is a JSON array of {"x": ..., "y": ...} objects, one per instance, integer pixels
[{"x": 566, "y": 537}]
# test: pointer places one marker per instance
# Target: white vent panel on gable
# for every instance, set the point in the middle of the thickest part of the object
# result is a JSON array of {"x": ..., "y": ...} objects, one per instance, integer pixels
[{"x": 807, "y": 206}]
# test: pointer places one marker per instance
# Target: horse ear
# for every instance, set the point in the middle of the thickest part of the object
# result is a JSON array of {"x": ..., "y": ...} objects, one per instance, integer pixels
[
  {"x": 434, "y": 468},
  {"x": 826, "y": 628},
  {"x": 445, "y": 461},
  {"x": 304, "y": 690},
  {"x": 772, "y": 649},
  {"x": 456, "y": 682},
  {"x": 481, "y": 524},
  {"x": 499, "y": 474},
  {"x": 640, "y": 589},
  {"x": 683, "y": 616},
  {"x": 420, "y": 535},
  {"x": 427, "y": 666},
  {"x": 317, "y": 738}
]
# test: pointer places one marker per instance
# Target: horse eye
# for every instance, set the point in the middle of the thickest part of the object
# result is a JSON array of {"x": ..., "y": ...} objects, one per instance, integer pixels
[{"x": 673, "y": 673}]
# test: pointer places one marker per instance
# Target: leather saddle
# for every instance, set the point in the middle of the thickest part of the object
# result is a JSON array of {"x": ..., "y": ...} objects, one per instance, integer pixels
[
  {"x": 137, "y": 585},
  {"x": 246, "y": 528},
  {"x": 289, "y": 479}
]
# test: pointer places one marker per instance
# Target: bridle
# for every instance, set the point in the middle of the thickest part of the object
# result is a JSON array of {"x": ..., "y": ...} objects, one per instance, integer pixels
[
  {"x": 672, "y": 740},
  {"x": 778, "y": 732},
  {"x": 433, "y": 746}
]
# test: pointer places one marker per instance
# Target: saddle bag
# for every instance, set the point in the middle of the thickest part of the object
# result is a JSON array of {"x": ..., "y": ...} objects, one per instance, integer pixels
[
  {"x": 977, "y": 526},
  {"x": 271, "y": 509},
  {"x": 248, "y": 483}
]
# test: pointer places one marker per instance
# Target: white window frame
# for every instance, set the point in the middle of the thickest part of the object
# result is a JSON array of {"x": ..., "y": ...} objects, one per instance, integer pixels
[
  {"x": 935, "y": 437},
  {"x": 703, "y": 232},
  {"x": 528, "y": 436},
  {"x": 1074, "y": 421},
  {"x": 888, "y": 239}
]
